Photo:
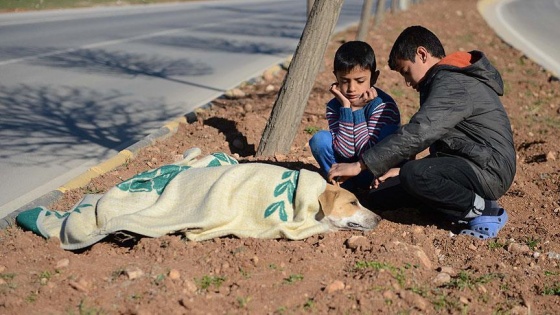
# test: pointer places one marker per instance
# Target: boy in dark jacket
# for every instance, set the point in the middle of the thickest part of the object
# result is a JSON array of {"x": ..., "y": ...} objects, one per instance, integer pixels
[{"x": 463, "y": 123}]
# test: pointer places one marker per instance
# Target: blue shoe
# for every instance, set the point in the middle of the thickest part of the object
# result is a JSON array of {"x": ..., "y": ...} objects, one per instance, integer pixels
[{"x": 485, "y": 227}]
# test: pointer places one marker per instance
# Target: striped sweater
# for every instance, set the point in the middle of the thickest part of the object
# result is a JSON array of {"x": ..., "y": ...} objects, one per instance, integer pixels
[{"x": 356, "y": 131}]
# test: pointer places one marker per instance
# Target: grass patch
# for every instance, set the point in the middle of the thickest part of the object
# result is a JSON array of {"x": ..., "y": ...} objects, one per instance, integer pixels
[
  {"x": 532, "y": 242},
  {"x": 495, "y": 245},
  {"x": 311, "y": 130},
  {"x": 293, "y": 278},
  {"x": 397, "y": 273},
  {"x": 464, "y": 280},
  {"x": 209, "y": 281},
  {"x": 552, "y": 290}
]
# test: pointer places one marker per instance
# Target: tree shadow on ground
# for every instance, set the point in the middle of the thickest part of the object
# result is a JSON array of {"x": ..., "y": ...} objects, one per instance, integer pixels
[
  {"x": 39, "y": 119},
  {"x": 236, "y": 140}
]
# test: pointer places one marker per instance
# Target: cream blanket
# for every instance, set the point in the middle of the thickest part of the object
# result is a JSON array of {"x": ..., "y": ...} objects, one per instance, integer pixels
[{"x": 211, "y": 197}]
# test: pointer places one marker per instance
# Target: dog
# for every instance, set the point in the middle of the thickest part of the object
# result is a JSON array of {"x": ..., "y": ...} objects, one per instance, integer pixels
[{"x": 341, "y": 210}]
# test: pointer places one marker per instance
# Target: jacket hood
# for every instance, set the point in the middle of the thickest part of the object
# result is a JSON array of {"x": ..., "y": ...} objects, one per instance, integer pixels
[{"x": 474, "y": 64}]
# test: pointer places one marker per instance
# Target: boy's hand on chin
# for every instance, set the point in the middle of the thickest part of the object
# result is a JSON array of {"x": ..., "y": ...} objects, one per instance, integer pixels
[
  {"x": 364, "y": 99},
  {"x": 339, "y": 96}
]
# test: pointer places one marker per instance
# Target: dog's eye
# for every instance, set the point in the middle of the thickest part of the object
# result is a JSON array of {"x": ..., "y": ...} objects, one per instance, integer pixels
[
  {"x": 354, "y": 203},
  {"x": 353, "y": 225}
]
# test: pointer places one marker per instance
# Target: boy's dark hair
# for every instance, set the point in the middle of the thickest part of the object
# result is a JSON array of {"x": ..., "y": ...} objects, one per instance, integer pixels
[
  {"x": 354, "y": 54},
  {"x": 411, "y": 38}
]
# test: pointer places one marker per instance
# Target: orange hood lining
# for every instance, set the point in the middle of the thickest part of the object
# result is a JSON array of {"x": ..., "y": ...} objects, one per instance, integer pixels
[{"x": 459, "y": 59}]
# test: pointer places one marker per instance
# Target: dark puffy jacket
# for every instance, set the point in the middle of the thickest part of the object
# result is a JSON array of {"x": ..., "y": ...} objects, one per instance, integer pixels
[{"x": 460, "y": 115}]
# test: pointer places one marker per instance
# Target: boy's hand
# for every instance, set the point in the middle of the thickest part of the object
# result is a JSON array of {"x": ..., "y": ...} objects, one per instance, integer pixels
[
  {"x": 365, "y": 98},
  {"x": 394, "y": 172},
  {"x": 339, "y": 96},
  {"x": 340, "y": 172}
]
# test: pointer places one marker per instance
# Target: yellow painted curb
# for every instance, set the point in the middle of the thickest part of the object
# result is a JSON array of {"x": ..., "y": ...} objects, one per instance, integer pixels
[{"x": 84, "y": 179}]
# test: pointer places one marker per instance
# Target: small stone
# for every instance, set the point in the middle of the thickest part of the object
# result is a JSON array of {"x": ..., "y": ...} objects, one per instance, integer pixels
[
  {"x": 255, "y": 260},
  {"x": 441, "y": 279},
  {"x": 519, "y": 310},
  {"x": 473, "y": 247},
  {"x": 248, "y": 107},
  {"x": 2, "y": 268},
  {"x": 336, "y": 285},
  {"x": 78, "y": 286},
  {"x": 447, "y": 270},
  {"x": 280, "y": 157},
  {"x": 536, "y": 255},
  {"x": 417, "y": 230},
  {"x": 518, "y": 248},
  {"x": 190, "y": 286},
  {"x": 235, "y": 94},
  {"x": 63, "y": 263},
  {"x": 269, "y": 88},
  {"x": 464, "y": 300},
  {"x": 420, "y": 303},
  {"x": 389, "y": 295},
  {"x": 356, "y": 241},
  {"x": 133, "y": 273},
  {"x": 174, "y": 274},
  {"x": 424, "y": 260},
  {"x": 551, "y": 156},
  {"x": 238, "y": 143}
]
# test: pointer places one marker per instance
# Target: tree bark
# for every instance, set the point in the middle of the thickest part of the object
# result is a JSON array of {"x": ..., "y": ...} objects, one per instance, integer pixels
[
  {"x": 309, "y": 6},
  {"x": 379, "y": 12},
  {"x": 290, "y": 104},
  {"x": 364, "y": 20}
]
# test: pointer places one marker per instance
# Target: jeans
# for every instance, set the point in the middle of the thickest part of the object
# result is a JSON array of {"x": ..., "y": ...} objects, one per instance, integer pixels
[
  {"x": 323, "y": 152},
  {"x": 445, "y": 184}
]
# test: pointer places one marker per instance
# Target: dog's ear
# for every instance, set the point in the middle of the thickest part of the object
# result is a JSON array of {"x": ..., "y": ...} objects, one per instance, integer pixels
[{"x": 327, "y": 198}]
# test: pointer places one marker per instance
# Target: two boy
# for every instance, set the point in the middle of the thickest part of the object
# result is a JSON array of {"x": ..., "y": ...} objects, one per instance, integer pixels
[{"x": 462, "y": 121}]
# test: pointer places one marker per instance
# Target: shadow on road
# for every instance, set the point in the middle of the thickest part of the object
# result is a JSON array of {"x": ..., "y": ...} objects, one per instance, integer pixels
[{"x": 46, "y": 119}]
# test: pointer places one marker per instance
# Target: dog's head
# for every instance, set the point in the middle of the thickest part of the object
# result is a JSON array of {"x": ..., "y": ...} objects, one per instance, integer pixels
[{"x": 341, "y": 210}]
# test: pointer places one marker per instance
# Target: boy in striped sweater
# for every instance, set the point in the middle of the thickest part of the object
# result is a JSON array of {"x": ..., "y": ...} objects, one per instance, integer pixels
[{"x": 359, "y": 116}]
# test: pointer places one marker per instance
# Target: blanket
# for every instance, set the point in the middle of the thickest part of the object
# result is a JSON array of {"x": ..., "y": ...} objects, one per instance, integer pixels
[{"x": 206, "y": 198}]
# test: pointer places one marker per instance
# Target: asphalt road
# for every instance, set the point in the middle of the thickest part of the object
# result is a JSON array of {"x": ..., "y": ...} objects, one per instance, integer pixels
[
  {"x": 77, "y": 86},
  {"x": 532, "y": 27}
]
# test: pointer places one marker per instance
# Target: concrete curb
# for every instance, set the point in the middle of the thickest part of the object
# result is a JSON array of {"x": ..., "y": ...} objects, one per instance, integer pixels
[{"x": 121, "y": 158}]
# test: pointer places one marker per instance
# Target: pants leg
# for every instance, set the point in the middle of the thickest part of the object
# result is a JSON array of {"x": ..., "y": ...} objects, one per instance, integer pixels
[
  {"x": 322, "y": 149},
  {"x": 447, "y": 184}
]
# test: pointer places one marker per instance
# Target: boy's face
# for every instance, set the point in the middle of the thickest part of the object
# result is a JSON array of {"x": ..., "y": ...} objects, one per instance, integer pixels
[
  {"x": 354, "y": 83},
  {"x": 413, "y": 72}
]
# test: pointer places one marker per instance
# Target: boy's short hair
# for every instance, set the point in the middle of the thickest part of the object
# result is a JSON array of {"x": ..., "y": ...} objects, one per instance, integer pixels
[
  {"x": 354, "y": 54},
  {"x": 411, "y": 38}
]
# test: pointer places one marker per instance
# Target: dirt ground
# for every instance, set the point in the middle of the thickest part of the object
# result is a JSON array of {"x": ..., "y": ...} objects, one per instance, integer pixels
[{"x": 410, "y": 264}]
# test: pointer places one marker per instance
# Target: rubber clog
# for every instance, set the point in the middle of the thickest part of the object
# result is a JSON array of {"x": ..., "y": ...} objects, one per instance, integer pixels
[{"x": 485, "y": 227}]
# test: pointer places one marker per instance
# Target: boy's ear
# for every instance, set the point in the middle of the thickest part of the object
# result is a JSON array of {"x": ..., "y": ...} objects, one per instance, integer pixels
[
  {"x": 422, "y": 53},
  {"x": 374, "y": 76}
]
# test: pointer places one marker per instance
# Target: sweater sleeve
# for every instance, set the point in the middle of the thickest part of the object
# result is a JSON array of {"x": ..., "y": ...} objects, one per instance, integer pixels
[
  {"x": 383, "y": 118},
  {"x": 341, "y": 126}
]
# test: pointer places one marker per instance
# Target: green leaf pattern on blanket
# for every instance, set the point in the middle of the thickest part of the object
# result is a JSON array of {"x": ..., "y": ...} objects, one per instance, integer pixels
[
  {"x": 155, "y": 179},
  {"x": 287, "y": 187},
  {"x": 222, "y": 159},
  {"x": 62, "y": 215}
]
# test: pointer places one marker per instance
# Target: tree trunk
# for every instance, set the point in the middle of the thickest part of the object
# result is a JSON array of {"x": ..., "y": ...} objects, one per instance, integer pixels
[
  {"x": 364, "y": 21},
  {"x": 309, "y": 6},
  {"x": 395, "y": 6},
  {"x": 379, "y": 12},
  {"x": 290, "y": 104}
]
